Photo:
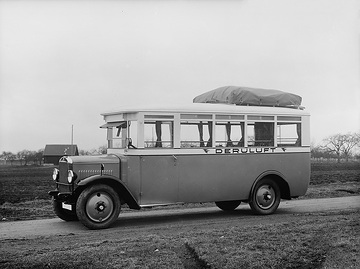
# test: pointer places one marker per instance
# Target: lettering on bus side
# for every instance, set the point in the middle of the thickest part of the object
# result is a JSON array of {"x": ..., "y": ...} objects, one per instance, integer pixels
[{"x": 246, "y": 150}]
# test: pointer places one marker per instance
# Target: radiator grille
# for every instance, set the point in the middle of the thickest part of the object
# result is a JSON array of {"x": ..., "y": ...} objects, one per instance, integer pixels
[{"x": 63, "y": 184}]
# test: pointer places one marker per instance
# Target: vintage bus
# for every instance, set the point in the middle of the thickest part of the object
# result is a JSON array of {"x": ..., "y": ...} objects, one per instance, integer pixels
[{"x": 194, "y": 153}]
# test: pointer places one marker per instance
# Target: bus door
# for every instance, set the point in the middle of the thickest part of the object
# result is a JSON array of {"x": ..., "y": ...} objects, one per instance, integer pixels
[{"x": 159, "y": 180}]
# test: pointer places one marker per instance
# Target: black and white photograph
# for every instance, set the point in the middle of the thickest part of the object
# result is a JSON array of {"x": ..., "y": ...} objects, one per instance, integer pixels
[{"x": 180, "y": 134}]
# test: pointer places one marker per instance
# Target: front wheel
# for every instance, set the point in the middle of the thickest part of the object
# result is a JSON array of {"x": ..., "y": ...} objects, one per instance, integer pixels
[
  {"x": 265, "y": 197},
  {"x": 228, "y": 205},
  {"x": 98, "y": 206}
]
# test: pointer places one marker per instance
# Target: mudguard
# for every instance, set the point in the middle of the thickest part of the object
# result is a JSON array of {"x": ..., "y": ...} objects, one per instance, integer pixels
[
  {"x": 280, "y": 180},
  {"x": 114, "y": 182}
]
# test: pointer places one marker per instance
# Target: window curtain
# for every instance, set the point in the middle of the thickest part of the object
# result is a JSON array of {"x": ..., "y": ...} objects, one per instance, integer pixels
[
  {"x": 228, "y": 133},
  {"x": 298, "y": 131},
  {"x": 171, "y": 133},
  {"x": 264, "y": 134},
  {"x": 158, "y": 143},
  {"x": 201, "y": 134},
  {"x": 210, "y": 127},
  {"x": 242, "y": 130}
]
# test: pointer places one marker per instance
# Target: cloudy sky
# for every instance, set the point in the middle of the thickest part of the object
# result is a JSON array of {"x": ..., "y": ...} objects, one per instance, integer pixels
[{"x": 63, "y": 63}]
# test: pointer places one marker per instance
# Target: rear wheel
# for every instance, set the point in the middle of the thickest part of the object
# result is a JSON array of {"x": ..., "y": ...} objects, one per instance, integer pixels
[
  {"x": 265, "y": 197},
  {"x": 62, "y": 213},
  {"x": 98, "y": 206},
  {"x": 228, "y": 205}
]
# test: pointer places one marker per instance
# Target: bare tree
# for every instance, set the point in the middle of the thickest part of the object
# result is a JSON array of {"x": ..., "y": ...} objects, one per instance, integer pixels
[
  {"x": 341, "y": 144},
  {"x": 34, "y": 157},
  {"x": 84, "y": 152},
  {"x": 351, "y": 140},
  {"x": 20, "y": 157},
  {"x": 102, "y": 149},
  {"x": 24, "y": 156},
  {"x": 8, "y": 156},
  {"x": 319, "y": 152},
  {"x": 98, "y": 151},
  {"x": 39, "y": 156}
]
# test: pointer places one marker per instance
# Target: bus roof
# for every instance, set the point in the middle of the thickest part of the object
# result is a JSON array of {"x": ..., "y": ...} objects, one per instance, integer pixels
[{"x": 208, "y": 108}]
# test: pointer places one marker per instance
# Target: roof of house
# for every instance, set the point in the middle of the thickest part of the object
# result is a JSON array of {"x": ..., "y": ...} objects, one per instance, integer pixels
[{"x": 60, "y": 150}]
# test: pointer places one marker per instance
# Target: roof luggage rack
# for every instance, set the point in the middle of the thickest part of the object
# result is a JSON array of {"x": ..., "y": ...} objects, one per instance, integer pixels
[{"x": 245, "y": 96}]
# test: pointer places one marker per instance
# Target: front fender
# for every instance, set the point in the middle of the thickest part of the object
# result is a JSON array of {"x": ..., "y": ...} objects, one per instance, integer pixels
[
  {"x": 94, "y": 178},
  {"x": 116, "y": 184}
]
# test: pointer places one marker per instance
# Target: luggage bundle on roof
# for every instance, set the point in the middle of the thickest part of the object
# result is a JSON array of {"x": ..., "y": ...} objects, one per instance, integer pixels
[{"x": 250, "y": 97}]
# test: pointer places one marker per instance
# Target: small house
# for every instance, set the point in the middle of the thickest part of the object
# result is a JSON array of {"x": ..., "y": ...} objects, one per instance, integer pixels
[{"x": 53, "y": 153}]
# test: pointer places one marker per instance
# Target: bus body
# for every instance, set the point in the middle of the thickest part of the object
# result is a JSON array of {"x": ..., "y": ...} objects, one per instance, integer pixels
[{"x": 163, "y": 155}]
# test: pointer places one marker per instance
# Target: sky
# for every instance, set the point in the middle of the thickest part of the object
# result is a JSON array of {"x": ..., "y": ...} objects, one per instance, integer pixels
[{"x": 63, "y": 63}]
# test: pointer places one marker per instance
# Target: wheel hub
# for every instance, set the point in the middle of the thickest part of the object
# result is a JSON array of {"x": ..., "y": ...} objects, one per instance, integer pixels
[
  {"x": 100, "y": 206},
  {"x": 267, "y": 196}
]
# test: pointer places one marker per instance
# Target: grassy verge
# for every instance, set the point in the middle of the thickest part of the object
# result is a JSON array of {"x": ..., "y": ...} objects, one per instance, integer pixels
[
  {"x": 331, "y": 241},
  {"x": 35, "y": 209},
  {"x": 309, "y": 243}
]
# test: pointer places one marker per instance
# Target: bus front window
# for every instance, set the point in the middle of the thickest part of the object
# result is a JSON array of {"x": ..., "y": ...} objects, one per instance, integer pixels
[{"x": 116, "y": 134}]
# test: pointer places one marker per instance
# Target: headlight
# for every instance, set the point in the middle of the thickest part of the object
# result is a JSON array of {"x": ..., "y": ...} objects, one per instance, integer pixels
[
  {"x": 70, "y": 176},
  {"x": 55, "y": 175}
]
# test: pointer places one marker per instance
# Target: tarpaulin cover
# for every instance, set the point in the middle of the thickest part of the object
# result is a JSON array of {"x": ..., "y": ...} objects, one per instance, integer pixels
[{"x": 249, "y": 96}]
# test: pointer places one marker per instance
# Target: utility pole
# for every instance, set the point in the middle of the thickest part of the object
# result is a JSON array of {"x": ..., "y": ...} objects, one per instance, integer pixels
[{"x": 72, "y": 138}]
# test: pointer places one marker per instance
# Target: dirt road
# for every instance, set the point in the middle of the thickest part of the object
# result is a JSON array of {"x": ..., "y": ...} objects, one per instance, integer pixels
[{"x": 170, "y": 220}]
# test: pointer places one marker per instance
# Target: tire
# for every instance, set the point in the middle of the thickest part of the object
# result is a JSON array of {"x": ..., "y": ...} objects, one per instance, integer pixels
[
  {"x": 64, "y": 214},
  {"x": 265, "y": 197},
  {"x": 98, "y": 206},
  {"x": 228, "y": 205}
]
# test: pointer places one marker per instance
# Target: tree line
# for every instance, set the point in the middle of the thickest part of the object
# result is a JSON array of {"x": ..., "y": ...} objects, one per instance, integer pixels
[
  {"x": 26, "y": 157},
  {"x": 23, "y": 157},
  {"x": 338, "y": 146}
]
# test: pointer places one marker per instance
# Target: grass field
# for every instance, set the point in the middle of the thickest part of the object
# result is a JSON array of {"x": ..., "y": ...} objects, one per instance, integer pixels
[{"x": 25, "y": 183}]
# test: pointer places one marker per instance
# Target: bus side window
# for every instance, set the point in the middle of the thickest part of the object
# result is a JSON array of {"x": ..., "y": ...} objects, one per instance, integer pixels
[
  {"x": 158, "y": 134},
  {"x": 261, "y": 134},
  {"x": 196, "y": 134},
  {"x": 229, "y": 134},
  {"x": 289, "y": 134}
]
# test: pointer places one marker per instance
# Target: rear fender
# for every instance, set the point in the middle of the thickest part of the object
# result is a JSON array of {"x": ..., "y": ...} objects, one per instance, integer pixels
[
  {"x": 279, "y": 179},
  {"x": 115, "y": 183}
]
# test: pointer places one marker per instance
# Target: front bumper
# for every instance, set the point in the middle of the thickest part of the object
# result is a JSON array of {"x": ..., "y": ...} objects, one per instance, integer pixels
[
  {"x": 62, "y": 196},
  {"x": 58, "y": 195}
]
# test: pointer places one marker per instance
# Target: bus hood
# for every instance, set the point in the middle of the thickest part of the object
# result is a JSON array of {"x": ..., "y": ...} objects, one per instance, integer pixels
[{"x": 86, "y": 166}]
